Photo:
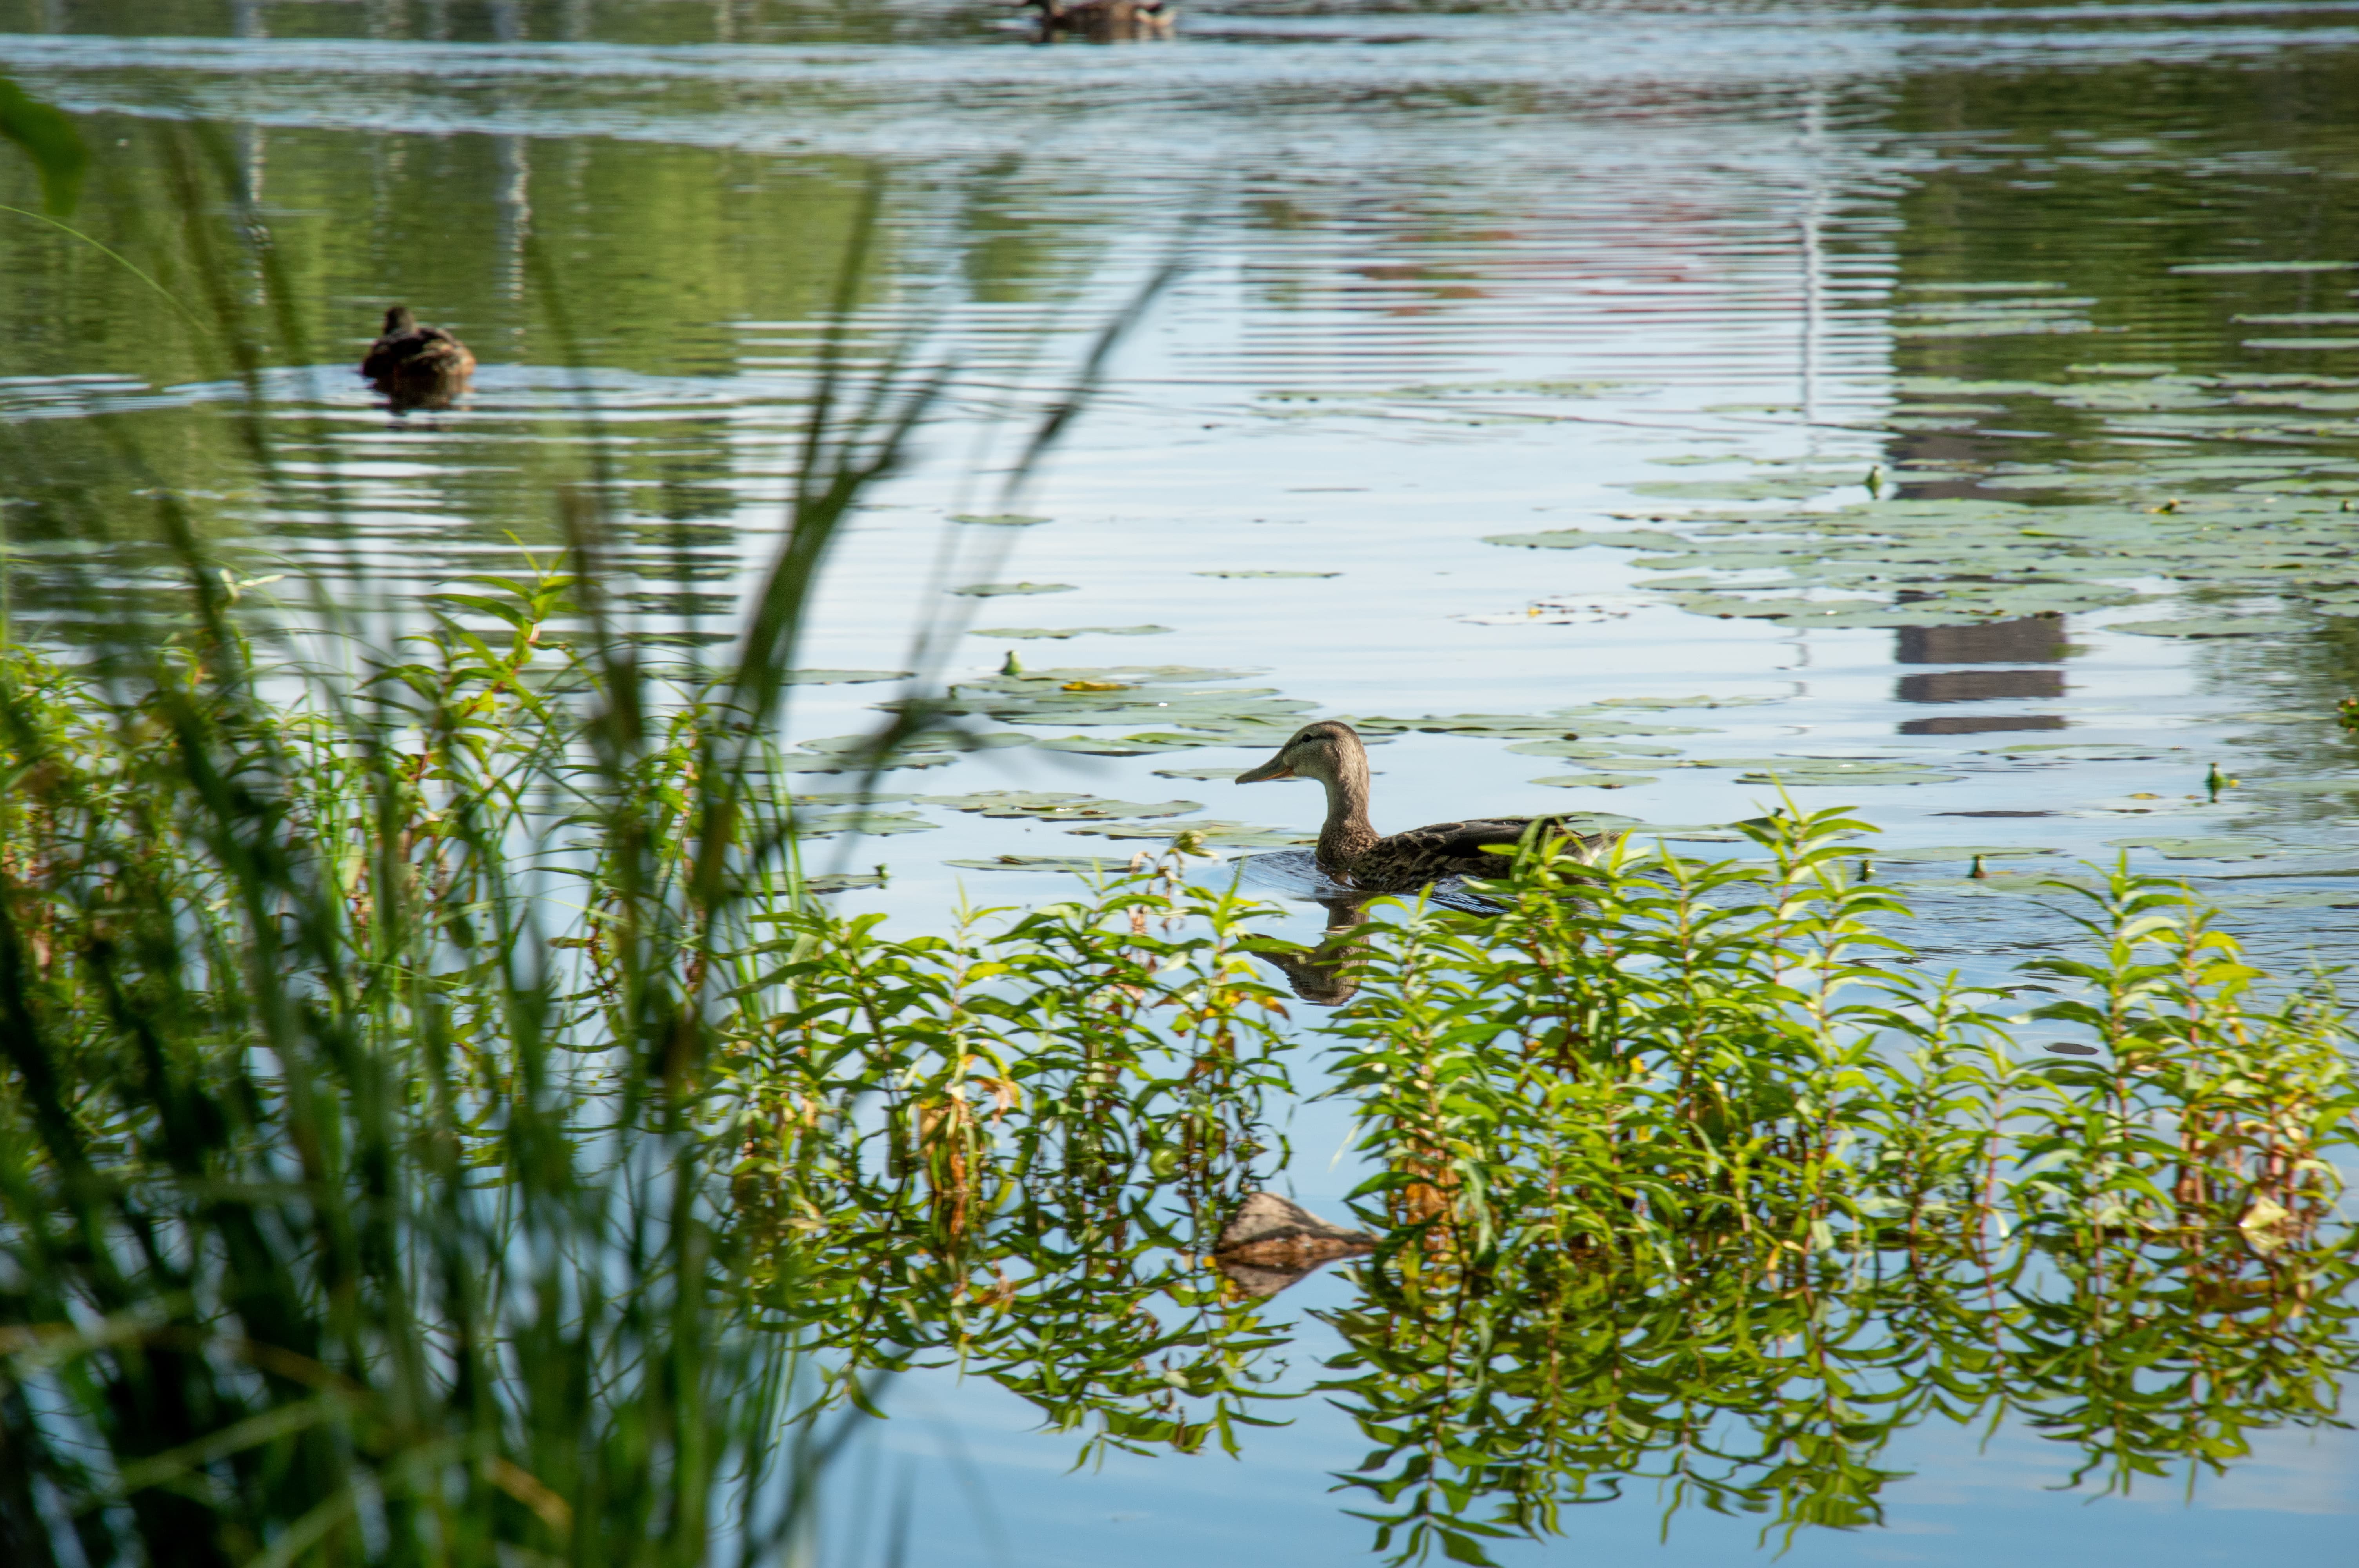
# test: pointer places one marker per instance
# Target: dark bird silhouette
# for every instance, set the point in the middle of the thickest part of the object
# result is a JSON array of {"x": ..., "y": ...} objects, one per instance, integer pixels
[
  {"x": 1106, "y": 21},
  {"x": 1350, "y": 849},
  {"x": 418, "y": 367}
]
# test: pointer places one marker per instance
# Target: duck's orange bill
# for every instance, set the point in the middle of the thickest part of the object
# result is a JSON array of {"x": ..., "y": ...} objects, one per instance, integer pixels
[{"x": 1274, "y": 768}]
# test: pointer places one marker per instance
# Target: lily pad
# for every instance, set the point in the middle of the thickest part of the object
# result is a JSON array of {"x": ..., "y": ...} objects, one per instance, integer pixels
[
  {"x": 1234, "y": 834},
  {"x": 849, "y": 798},
  {"x": 1772, "y": 487},
  {"x": 1052, "y": 805},
  {"x": 2005, "y": 884},
  {"x": 1980, "y": 287},
  {"x": 1026, "y": 634},
  {"x": 2213, "y": 626},
  {"x": 2289, "y": 898},
  {"x": 1080, "y": 863},
  {"x": 1817, "y": 771},
  {"x": 1581, "y": 538},
  {"x": 843, "y": 882},
  {"x": 2225, "y": 267},
  {"x": 1107, "y": 746},
  {"x": 1258, "y": 573},
  {"x": 2012, "y": 325},
  {"x": 851, "y": 762},
  {"x": 842, "y": 677},
  {"x": 1064, "y": 674},
  {"x": 1597, "y": 780},
  {"x": 999, "y": 590},
  {"x": 2302, "y": 345},
  {"x": 997, "y": 519},
  {"x": 2217, "y": 847},
  {"x": 2305, "y": 786},
  {"x": 2074, "y": 752},
  {"x": 876, "y": 824},
  {"x": 1588, "y": 750},
  {"x": 2274, "y": 716}
]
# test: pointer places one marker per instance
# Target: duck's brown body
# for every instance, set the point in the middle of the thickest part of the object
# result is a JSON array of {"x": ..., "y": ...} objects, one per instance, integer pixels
[
  {"x": 1107, "y": 21},
  {"x": 415, "y": 362},
  {"x": 1350, "y": 848}
]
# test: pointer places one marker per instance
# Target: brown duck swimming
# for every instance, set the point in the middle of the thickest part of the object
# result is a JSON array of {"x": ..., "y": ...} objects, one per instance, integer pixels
[
  {"x": 417, "y": 365},
  {"x": 1106, "y": 21},
  {"x": 1352, "y": 850}
]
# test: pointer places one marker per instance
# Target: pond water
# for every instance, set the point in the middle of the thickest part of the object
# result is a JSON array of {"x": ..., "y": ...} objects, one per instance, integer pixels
[{"x": 1964, "y": 400}]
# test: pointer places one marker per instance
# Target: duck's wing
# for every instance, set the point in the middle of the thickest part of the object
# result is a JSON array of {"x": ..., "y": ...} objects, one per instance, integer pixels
[
  {"x": 1463, "y": 847},
  {"x": 419, "y": 350},
  {"x": 388, "y": 354}
]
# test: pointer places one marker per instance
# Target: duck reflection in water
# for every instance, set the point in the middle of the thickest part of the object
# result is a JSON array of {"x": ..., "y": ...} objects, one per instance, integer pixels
[
  {"x": 415, "y": 366},
  {"x": 1271, "y": 1242},
  {"x": 1327, "y": 975}
]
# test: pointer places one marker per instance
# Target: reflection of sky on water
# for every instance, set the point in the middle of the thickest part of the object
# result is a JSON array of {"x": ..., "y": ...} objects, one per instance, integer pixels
[{"x": 1696, "y": 220}]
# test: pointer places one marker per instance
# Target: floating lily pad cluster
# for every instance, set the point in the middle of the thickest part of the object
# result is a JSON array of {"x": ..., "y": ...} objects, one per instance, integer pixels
[
  {"x": 2249, "y": 560},
  {"x": 1083, "y": 863},
  {"x": 1946, "y": 311},
  {"x": 1002, "y": 589},
  {"x": 1440, "y": 403},
  {"x": 1227, "y": 835},
  {"x": 1184, "y": 707},
  {"x": 1051, "y": 805},
  {"x": 876, "y": 824},
  {"x": 1028, "y": 633},
  {"x": 1583, "y": 724}
]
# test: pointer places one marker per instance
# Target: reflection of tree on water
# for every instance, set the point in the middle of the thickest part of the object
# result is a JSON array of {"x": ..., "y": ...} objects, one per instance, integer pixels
[{"x": 1753, "y": 1378}]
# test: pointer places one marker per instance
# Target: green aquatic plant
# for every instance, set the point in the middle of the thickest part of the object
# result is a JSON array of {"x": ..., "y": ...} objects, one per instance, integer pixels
[
  {"x": 999, "y": 1149},
  {"x": 321, "y": 1237},
  {"x": 1693, "y": 1177}
]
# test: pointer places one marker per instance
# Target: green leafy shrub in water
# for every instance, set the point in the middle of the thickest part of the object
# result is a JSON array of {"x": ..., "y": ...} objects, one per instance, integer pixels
[
  {"x": 1693, "y": 1177},
  {"x": 1002, "y": 1147}
]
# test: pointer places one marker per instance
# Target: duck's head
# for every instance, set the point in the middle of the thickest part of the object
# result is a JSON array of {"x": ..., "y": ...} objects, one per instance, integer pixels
[
  {"x": 398, "y": 320},
  {"x": 1329, "y": 750}
]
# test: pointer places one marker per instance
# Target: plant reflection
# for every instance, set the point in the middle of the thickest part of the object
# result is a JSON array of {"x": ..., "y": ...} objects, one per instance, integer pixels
[
  {"x": 1008, "y": 1149},
  {"x": 1680, "y": 1175}
]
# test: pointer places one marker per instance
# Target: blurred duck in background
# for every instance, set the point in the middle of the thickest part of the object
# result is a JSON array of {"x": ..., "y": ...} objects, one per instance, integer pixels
[
  {"x": 417, "y": 367},
  {"x": 1105, "y": 21}
]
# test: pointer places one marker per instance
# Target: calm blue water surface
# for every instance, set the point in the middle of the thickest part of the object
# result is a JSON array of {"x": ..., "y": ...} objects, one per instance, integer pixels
[{"x": 1450, "y": 271}]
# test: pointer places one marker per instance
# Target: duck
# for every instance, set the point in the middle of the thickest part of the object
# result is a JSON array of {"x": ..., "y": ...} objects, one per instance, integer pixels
[
  {"x": 1350, "y": 849},
  {"x": 414, "y": 363},
  {"x": 1106, "y": 21}
]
